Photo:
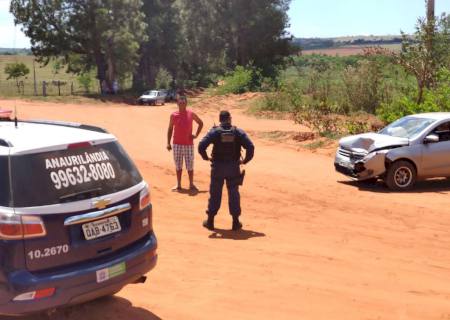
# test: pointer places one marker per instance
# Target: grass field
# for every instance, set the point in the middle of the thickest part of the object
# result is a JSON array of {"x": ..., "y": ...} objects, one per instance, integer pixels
[{"x": 43, "y": 73}]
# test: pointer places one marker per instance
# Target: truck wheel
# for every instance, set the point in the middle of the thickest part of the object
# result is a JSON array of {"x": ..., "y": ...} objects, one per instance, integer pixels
[{"x": 401, "y": 175}]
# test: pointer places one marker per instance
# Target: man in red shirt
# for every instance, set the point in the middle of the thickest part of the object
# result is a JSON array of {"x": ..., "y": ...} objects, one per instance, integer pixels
[{"x": 183, "y": 140}]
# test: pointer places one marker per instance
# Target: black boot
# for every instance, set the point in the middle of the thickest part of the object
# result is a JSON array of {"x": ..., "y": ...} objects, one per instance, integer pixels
[
  {"x": 209, "y": 223},
  {"x": 236, "y": 224}
]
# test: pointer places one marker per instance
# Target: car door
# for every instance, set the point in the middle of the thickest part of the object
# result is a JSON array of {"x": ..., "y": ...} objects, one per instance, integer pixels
[
  {"x": 161, "y": 97},
  {"x": 436, "y": 156}
]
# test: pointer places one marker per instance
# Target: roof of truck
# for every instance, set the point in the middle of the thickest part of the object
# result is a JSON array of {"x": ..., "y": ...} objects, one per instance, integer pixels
[{"x": 34, "y": 137}]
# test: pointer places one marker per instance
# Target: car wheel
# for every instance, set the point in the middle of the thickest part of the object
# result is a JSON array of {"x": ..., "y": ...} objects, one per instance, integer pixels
[
  {"x": 141, "y": 103},
  {"x": 401, "y": 175}
]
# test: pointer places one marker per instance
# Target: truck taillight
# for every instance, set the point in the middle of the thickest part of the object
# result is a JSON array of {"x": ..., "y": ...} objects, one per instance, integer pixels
[
  {"x": 144, "y": 199},
  {"x": 144, "y": 202},
  {"x": 33, "y": 227},
  {"x": 13, "y": 226},
  {"x": 35, "y": 295}
]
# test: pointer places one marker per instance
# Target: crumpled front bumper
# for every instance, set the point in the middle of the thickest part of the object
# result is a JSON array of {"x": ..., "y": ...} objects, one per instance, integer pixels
[{"x": 371, "y": 166}]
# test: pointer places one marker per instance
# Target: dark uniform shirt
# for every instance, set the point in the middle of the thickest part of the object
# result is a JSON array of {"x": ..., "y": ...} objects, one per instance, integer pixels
[{"x": 227, "y": 141}]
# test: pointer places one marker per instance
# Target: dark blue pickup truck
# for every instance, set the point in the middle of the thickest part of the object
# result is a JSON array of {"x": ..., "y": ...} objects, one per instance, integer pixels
[{"x": 75, "y": 216}]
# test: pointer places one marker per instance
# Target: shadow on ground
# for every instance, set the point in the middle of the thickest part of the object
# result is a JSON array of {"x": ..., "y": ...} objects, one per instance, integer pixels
[
  {"x": 191, "y": 193},
  {"x": 112, "y": 307},
  {"x": 235, "y": 235},
  {"x": 427, "y": 186}
]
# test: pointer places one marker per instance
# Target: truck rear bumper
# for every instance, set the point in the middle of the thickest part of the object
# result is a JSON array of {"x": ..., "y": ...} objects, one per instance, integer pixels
[{"x": 79, "y": 283}]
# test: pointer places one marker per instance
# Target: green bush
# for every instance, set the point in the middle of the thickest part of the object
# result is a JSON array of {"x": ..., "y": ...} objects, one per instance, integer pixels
[
  {"x": 287, "y": 98},
  {"x": 163, "y": 79},
  {"x": 17, "y": 71},
  {"x": 85, "y": 80},
  {"x": 241, "y": 80},
  {"x": 356, "y": 126},
  {"x": 434, "y": 100},
  {"x": 362, "y": 86},
  {"x": 321, "y": 118}
]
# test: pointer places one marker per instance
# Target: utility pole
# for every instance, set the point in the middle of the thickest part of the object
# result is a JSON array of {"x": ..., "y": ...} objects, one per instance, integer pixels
[
  {"x": 430, "y": 10},
  {"x": 430, "y": 25}
]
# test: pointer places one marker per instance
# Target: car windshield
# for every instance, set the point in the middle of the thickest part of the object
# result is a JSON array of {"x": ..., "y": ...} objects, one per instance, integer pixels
[
  {"x": 407, "y": 127},
  {"x": 152, "y": 93}
]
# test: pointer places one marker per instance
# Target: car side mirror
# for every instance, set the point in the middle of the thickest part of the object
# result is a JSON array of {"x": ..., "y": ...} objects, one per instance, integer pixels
[{"x": 431, "y": 138}]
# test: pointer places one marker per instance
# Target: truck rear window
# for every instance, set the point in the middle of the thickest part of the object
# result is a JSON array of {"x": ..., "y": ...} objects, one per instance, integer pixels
[
  {"x": 70, "y": 175},
  {"x": 4, "y": 182}
]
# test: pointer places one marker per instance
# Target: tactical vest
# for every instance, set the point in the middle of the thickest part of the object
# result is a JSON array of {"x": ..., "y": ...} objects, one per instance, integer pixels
[{"x": 227, "y": 146}]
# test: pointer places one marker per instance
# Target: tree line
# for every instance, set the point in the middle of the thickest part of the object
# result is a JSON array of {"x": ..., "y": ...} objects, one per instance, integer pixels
[{"x": 190, "y": 41}]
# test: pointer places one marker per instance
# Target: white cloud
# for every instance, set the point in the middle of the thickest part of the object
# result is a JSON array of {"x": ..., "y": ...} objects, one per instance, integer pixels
[{"x": 10, "y": 36}]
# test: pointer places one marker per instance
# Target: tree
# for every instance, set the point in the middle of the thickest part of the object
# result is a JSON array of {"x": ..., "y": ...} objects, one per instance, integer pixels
[
  {"x": 203, "y": 52},
  {"x": 57, "y": 66},
  {"x": 255, "y": 32},
  {"x": 221, "y": 35},
  {"x": 425, "y": 53},
  {"x": 161, "y": 50},
  {"x": 85, "y": 80},
  {"x": 16, "y": 71},
  {"x": 105, "y": 34}
]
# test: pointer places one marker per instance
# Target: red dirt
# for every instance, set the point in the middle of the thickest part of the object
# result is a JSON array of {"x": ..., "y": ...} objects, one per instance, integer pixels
[{"x": 314, "y": 245}]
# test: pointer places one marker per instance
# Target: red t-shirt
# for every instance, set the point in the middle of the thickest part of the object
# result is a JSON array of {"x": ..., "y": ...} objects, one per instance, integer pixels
[{"x": 182, "y": 123}]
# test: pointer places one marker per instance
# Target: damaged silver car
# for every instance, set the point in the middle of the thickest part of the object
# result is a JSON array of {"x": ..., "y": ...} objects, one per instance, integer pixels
[{"x": 412, "y": 148}]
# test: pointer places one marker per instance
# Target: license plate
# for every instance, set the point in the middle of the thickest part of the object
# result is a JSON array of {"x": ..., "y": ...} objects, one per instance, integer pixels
[
  {"x": 347, "y": 165},
  {"x": 101, "y": 228},
  {"x": 111, "y": 272}
]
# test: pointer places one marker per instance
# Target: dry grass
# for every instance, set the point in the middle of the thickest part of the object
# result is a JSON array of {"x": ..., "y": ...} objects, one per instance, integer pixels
[{"x": 42, "y": 72}]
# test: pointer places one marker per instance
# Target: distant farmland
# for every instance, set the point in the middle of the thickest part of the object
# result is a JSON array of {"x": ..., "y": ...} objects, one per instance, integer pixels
[{"x": 348, "y": 50}]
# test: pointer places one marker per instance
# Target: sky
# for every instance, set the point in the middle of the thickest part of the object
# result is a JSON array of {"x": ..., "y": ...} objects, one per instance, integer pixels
[
  {"x": 308, "y": 19},
  {"x": 337, "y": 18}
]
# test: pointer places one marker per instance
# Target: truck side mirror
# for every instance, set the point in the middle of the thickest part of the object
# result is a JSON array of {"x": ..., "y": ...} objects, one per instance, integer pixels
[{"x": 431, "y": 138}]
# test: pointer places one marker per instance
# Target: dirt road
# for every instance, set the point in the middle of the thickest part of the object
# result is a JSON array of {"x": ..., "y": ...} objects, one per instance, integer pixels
[{"x": 314, "y": 246}]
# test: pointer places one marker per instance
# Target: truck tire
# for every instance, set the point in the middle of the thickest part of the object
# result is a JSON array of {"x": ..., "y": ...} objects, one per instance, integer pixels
[{"x": 401, "y": 175}]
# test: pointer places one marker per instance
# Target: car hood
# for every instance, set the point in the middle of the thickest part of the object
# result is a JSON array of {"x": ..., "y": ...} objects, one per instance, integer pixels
[
  {"x": 147, "y": 96},
  {"x": 372, "y": 141}
]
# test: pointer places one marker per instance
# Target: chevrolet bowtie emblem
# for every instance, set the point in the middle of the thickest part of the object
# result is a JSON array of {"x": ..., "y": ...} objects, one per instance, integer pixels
[{"x": 101, "y": 204}]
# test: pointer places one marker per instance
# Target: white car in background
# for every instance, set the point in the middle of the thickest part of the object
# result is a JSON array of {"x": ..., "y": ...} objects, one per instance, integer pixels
[{"x": 152, "y": 98}]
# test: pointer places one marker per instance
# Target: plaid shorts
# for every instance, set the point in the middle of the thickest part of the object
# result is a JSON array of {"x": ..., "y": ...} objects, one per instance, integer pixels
[{"x": 185, "y": 152}]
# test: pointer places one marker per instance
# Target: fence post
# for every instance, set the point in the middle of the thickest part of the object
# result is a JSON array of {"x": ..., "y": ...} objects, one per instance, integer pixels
[
  {"x": 34, "y": 79},
  {"x": 59, "y": 88},
  {"x": 44, "y": 88},
  {"x": 71, "y": 89}
]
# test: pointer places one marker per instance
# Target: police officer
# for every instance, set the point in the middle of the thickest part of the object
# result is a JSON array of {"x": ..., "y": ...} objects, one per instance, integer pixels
[{"x": 227, "y": 141}]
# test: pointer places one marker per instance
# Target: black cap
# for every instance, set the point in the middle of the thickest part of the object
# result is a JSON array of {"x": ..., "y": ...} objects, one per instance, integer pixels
[{"x": 224, "y": 116}]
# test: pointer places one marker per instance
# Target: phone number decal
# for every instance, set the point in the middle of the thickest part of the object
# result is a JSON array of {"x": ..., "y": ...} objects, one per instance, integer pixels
[
  {"x": 48, "y": 252},
  {"x": 82, "y": 174},
  {"x": 78, "y": 169}
]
